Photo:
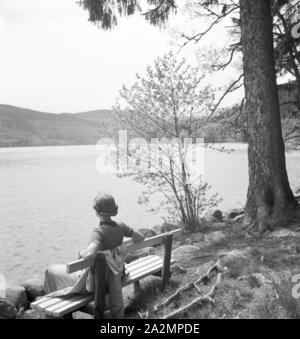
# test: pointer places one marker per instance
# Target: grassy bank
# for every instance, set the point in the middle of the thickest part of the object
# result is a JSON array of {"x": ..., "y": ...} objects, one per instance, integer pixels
[{"x": 256, "y": 276}]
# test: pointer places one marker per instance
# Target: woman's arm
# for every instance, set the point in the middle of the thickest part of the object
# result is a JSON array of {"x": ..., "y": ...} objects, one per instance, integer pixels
[
  {"x": 90, "y": 252},
  {"x": 93, "y": 247}
]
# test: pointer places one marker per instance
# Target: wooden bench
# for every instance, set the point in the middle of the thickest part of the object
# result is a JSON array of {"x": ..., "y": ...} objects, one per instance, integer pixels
[{"x": 63, "y": 307}]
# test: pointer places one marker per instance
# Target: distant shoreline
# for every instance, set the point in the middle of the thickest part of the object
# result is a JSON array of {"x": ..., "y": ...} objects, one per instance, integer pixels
[
  {"x": 36, "y": 146},
  {"x": 94, "y": 144}
]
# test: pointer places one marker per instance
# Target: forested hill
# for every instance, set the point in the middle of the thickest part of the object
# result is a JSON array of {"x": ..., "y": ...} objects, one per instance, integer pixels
[{"x": 25, "y": 127}]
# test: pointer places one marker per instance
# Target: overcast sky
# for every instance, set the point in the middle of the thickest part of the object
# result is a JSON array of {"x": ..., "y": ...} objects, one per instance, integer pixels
[{"x": 52, "y": 59}]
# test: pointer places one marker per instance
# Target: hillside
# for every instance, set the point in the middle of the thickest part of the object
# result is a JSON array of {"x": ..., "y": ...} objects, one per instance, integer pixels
[
  {"x": 25, "y": 127},
  {"x": 101, "y": 115}
]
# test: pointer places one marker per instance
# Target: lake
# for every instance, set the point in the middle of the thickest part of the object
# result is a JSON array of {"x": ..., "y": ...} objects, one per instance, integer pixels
[{"x": 47, "y": 193}]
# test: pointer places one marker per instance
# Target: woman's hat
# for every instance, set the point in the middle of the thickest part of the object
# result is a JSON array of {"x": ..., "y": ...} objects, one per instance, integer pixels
[{"x": 105, "y": 205}]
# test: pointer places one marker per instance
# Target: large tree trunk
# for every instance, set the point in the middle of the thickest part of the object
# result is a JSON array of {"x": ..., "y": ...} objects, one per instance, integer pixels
[{"x": 269, "y": 193}]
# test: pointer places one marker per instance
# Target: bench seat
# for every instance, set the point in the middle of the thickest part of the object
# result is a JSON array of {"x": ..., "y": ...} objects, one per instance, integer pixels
[{"x": 61, "y": 306}]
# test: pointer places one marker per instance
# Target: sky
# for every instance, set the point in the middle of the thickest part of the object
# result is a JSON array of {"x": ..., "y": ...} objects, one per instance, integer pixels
[{"x": 53, "y": 60}]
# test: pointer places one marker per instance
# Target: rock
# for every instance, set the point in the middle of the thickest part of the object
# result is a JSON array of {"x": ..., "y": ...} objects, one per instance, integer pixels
[
  {"x": 178, "y": 269},
  {"x": 165, "y": 227},
  {"x": 214, "y": 237},
  {"x": 236, "y": 262},
  {"x": 17, "y": 296},
  {"x": 237, "y": 218},
  {"x": 199, "y": 237},
  {"x": 184, "y": 255},
  {"x": 168, "y": 227},
  {"x": 262, "y": 280},
  {"x": 284, "y": 233},
  {"x": 218, "y": 215},
  {"x": 200, "y": 244},
  {"x": 209, "y": 217},
  {"x": 217, "y": 225},
  {"x": 188, "y": 241},
  {"x": 176, "y": 243},
  {"x": 31, "y": 314},
  {"x": 256, "y": 280},
  {"x": 201, "y": 240},
  {"x": 235, "y": 212},
  {"x": 7, "y": 310},
  {"x": 147, "y": 233},
  {"x": 34, "y": 288},
  {"x": 139, "y": 254},
  {"x": 156, "y": 229}
]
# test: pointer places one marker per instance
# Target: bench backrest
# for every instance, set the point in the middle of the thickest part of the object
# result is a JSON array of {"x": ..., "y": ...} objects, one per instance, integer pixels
[{"x": 129, "y": 246}]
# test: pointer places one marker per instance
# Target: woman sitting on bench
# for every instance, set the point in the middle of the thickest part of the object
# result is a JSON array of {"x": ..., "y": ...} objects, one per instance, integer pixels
[{"x": 107, "y": 237}]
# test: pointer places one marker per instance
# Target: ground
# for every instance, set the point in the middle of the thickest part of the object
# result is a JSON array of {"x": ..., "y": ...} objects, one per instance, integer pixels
[{"x": 256, "y": 280}]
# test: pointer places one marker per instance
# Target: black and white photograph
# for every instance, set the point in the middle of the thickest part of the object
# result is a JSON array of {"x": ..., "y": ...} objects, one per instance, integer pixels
[{"x": 149, "y": 162}]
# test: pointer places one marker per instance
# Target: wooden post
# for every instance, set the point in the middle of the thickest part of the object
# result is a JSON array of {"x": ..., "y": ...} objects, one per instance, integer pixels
[
  {"x": 166, "y": 272},
  {"x": 100, "y": 286}
]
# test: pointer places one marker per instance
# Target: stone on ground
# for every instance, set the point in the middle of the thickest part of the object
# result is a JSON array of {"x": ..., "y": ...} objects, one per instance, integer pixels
[
  {"x": 256, "y": 280},
  {"x": 17, "y": 296},
  {"x": 214, "y": 237},
  {"x": 218, "y": 215},
  {"x": 31, "y": 314},
  {"x": 184, "y": 255},
  {"x": 34, "y": 288},
  {"x": 7, "y": 309},
  {"x": 147, "y": 233},
  {"x": 235, "y": 212},
  {"x": 217, "y": 225},
  {"x": 168, "y": 227},
  {"x": 284, "y": 233},
  {"x": 237, "y": 262}
]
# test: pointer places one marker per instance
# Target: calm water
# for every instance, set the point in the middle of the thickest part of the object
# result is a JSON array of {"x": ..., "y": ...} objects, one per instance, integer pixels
[{"x": 46, "y": 196}]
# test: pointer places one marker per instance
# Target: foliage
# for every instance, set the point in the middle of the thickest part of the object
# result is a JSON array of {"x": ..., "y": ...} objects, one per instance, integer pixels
[
  {"x": 287, "y": 48},
  {"x": 105, "y": 13},
  {"x": 233, "y": 124},
  {"x": 169, "y": 108},
  {"x": 287, "y": 57}
]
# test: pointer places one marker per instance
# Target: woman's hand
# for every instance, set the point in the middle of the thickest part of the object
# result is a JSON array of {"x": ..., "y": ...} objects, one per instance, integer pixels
[{"x": 137, "y": 237}]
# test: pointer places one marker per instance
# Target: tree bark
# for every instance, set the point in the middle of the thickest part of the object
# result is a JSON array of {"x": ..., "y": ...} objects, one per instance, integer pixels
[{"x": 269, "y": 193}]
